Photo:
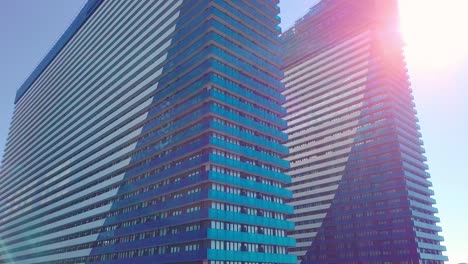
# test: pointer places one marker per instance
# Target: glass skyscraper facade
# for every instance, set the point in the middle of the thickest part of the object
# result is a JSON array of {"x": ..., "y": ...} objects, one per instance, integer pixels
[
  {"x": 360, "y": 187},
  {"x": 151, "y": 133}
]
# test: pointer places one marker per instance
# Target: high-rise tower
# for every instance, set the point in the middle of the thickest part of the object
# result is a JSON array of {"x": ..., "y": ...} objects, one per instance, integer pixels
[
  {"x": 360, "y": 187},
  {"x": 151, "y": 133}
]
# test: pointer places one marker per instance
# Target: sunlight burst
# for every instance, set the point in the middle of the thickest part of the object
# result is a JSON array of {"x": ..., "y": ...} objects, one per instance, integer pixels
[{"x": 435, "y": 32}]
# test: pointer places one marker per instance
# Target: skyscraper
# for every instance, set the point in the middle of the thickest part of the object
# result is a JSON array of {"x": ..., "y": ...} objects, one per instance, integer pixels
[
  {"x": 151, "y": 133},
  {"x": 360, "y": 187}
]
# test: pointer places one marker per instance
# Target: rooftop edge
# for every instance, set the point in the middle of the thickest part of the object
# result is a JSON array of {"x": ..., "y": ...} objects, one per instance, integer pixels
[{"x": 87, "y": 10}]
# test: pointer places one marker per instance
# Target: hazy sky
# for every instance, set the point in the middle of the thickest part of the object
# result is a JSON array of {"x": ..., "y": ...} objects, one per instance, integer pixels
[{"x": 29, "y": 28}]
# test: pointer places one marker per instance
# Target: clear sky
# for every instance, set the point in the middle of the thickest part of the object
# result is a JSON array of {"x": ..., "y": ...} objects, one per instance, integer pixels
[{"x": 437, "y": 57}]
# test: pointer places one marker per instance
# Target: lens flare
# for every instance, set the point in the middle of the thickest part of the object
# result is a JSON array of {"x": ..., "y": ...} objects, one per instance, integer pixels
[{"x": 435, "y": 31}]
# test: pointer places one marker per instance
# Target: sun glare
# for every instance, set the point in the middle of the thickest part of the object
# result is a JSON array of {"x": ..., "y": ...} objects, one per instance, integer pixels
[{"x": 435, "y": 31}]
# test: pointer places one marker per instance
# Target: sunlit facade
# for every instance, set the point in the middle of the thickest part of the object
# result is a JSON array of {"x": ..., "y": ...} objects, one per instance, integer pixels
[
  {"x": 360, "y": 187},
  {"x": 151, "y": 133}
]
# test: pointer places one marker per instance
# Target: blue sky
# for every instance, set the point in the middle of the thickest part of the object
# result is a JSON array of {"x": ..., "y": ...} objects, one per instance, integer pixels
[{"x": 29, "y": 28}]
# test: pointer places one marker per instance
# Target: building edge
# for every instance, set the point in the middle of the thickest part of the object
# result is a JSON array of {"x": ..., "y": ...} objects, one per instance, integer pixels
[{"x": 86, "y": 11}]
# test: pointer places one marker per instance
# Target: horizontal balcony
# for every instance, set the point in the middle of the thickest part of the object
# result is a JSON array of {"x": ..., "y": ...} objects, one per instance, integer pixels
[
  {"x": 249, "y": 137},
  {"x": 427, "y": 226},
  {"x": 422, "y": 183},
  {"x": 427, "y": 256},
  {"x": 423, "y": 206},
  {"x": 249, "y": 168},
  {"x": 429, "y": 236},
  {"x": 420, "y": 188},
  {"x": 425, "y": 216},
  {"x": 421, "y": 197},
  {"x": 222, "y": 215},
  {"x": 217, "y": 234},
  {"x": 214, "y": 254},
  {"x": 249, "y": 108},
  {"x": 248, "y": 184},
  {"x": 432, "y": 246},
  {"x": 228, "y": 115},
  {"x": 248, "y": 201},
  {"x": 248, "y": 152}
]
